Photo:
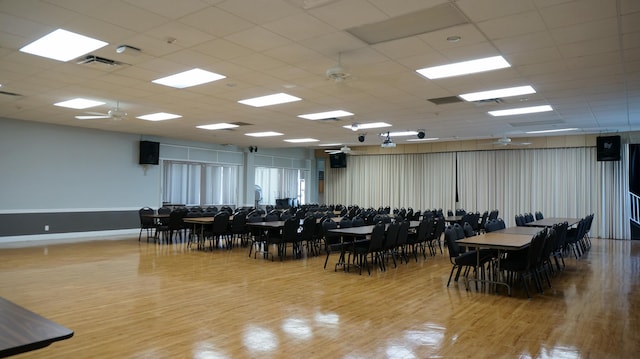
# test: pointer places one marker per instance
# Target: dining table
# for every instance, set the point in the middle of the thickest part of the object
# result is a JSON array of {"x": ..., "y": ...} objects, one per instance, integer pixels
[
  {"x": 499, "y": 241},
  {"x": 549, "y": 222},
  {"x": 358, "y": 233},
  {"x": 22, "y": 330}
]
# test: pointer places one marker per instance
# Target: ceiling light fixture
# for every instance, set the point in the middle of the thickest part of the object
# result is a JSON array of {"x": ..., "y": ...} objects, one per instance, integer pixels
[
  {"x": 423, "y": 139},
  {"x": 464, "y": 68},
  {"x": 301, "y": 140},
  {"x": 189, "y": 78},
  {"x": 79, "y": 103},
  {"x": 326, "y": 115},
  {"x": 263, "y": 134},
  {"x": 550, "y": 131},
  {"x": 218, "y": 126},
  {"x": 63, "y": 45},
  {"x": 269, "y": 100},
  {"x": 399, "y": 133},
  {"x": 365, "y": 126},
  {"x": 491, "y": 94},
  {"x": 159, "y": 116},
  {"x": 521, "y": 110}
]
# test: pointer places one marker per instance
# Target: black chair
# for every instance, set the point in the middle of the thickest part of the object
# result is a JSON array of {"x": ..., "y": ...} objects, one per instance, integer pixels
[
  {"x": 290, "y": 235},
  {"x": 539, "y": 215},
  {"x": 519, "y": 220},
  {"x": 463, "y": 260},
  {"x": 258, "y": 236},
  {"x": 332, "y": 241},
  {"x": 559, "y": 245},
  {"x": 218, "y": 232},
  {"x": 401, "y": 241},
  {"x": 483, "y": 221},
  {"x": 147, "y": 223},
  {"x": 524, "y": 266},
  {"x": 239, "y": 230},
  {"x": 390, "y": 240},
  {"x": 309, "y": 235},
  {"x": 468, "y": 230},
  {"x": 372, "y": 247},
  {"x": 435, "y": 238}
]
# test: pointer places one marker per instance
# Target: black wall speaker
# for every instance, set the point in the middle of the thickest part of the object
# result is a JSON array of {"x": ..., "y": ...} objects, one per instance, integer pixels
[
  {"x": 149, "y": 153},
  {"x": 608, "y": 148}
]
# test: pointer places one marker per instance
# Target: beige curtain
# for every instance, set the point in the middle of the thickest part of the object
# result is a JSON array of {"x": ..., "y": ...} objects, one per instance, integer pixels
[{"x": 563, "y": 182}]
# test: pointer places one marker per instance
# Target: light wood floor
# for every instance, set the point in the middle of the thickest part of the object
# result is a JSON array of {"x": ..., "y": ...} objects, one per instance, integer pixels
[{"x": 126, "y": 299}]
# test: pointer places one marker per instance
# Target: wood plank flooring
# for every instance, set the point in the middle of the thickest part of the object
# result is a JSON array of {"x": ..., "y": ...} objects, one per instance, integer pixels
[{"x": 126, "y": 299}]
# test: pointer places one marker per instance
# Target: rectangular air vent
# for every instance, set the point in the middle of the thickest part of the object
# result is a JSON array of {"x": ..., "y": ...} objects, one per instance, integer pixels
[
  {"x": 445, "y": 100},
  {"x": 92, "y": 59},
  {"x": 416, "y": 23}
]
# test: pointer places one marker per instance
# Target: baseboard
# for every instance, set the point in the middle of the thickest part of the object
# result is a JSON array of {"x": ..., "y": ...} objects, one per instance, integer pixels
[{"x": 28, "y": 240}]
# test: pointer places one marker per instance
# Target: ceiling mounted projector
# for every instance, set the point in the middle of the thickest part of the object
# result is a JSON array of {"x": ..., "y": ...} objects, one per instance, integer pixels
[{"x": 388, "y": 143}]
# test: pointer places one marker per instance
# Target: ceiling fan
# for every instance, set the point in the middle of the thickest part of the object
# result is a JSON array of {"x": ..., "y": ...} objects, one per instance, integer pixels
[
  {"x": 506, "y": 141},
  {"x": 114, "y": 113},
  {"x": 337, "y": 73},
  {"x": 344, "y": 149}
]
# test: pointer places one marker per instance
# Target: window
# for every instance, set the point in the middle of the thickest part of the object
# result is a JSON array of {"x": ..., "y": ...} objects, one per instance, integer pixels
[
  {"x": 194, "y": 183},
  {"x": 279, "y": 183}
]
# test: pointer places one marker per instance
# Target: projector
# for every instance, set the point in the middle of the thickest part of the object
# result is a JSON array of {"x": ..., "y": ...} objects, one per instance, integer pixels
[{"x": 387, "y": 144}]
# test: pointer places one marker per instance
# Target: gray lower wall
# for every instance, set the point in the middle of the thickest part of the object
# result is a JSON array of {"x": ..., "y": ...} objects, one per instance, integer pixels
[{"x": 19, "y": 224}]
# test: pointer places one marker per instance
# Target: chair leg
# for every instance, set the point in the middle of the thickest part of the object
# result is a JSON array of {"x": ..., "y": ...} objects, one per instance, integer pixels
[{"x": 451, "y": 274}]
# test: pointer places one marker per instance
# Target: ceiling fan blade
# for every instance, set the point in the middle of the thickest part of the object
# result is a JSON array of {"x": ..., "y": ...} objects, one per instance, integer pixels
[{"x": 91, "y": 117}]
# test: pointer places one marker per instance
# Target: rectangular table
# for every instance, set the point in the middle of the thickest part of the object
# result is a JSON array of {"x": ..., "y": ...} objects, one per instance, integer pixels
[
  {"x": 530, "y": 231},
  {"x": 499, "y": 241},
  {"x": 21, "y": 330},
  {"x": 549, "y": 222},
  {"x": 360, "y": 232}
]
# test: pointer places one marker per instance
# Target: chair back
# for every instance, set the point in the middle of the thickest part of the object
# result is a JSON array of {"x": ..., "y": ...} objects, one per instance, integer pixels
[
  {"x": 377, "y": 238},
  {"x": 220, "y": 223},
  {"x": 468, "y": 230},
  {"x": 391, "y": 236},
  {"x": 539, "y": 215},
  {"x": 357, "y": 222},
  {"x": 345, "y": 222},
  {"x": 146, "y": 221},
  {"x": 290, "y": 230},
  {"x": 403, "y": 233},
  {"x": 450, "y": 238},
  {"x": 272, "y": 216},
  {"x": 459, "y": 230},
  {"x": 239, "y": 222}
]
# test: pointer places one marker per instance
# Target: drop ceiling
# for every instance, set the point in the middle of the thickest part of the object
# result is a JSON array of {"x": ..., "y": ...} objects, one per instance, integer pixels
[{"x": 582, "y": 57}]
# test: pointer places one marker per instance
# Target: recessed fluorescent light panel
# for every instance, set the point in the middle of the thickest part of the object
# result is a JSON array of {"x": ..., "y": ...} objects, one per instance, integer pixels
[
  {"x": 325, "y": 115},
  {"x": 521, "y": 110},
  {"x": 218, "y": 126},
  {"x": 330, "y": 144},
  {"x": 399, "y": 133},
  {"x": 491, "y": 94},
  {"x": 263, "y": 134},
  {"x": 423, "y": 139},
  {"x": 189, "y": 78},
  {"x": 301, "y": 140},
  {"x": 464, "y": 68},
  {"x": 550, "y": 131},
  {"x": 269, "y": 100},
  {"x": 63, "y": 45},
  {"x": 160, "y": 116},
  {"x": 79, "y": 103},
  {"x": 365, "y": 126}
]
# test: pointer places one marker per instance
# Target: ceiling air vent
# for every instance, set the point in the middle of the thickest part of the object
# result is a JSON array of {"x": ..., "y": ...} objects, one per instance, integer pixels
[
  {"x": 92, "y": 59},
  {"x": 445, "y": 100},
  {"x": 489, "y": 101}
]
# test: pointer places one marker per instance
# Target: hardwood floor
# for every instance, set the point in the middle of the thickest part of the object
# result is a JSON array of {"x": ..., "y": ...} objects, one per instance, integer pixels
[{"x": 126, "y": 299}]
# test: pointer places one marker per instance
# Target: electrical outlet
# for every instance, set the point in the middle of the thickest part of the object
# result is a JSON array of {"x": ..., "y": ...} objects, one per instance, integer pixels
[{"x": 46, "y": 228}]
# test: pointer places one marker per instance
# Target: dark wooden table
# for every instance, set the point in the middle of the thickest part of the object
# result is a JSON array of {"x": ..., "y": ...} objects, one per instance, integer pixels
[
  {"x": 22, "y": 330},
  {"x": 549, "y": 222}
]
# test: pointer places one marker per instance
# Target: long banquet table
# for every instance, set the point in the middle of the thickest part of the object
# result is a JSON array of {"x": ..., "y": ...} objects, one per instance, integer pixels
[{"x": 500, "y": 241}]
